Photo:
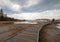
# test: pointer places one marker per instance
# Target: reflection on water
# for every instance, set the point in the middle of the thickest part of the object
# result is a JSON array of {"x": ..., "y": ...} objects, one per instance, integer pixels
[
  {"x": 25, "y": 22},
  {"x": 58, "y": 26}
]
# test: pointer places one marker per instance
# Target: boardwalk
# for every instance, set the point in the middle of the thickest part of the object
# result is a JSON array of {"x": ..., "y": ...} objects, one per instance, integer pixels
[
  {"x": 8, "y": 31},
  {"x": 29, "y": 34}
]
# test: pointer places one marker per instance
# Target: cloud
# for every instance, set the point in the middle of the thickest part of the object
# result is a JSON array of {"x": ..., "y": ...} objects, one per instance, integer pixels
[
  {"x": 52, "y": 4},
  {"x": 42, "y": 6},
  {"x": 56, "y": 6},
  {"x": 4, "y": 3},
  {"x": 27, "y": 16},
  {"x": 12, "y": 6},
  {"x": 29, "y": 3},
  {"x": 16, "y": 7},
  {"x": 49, "y": 14}
]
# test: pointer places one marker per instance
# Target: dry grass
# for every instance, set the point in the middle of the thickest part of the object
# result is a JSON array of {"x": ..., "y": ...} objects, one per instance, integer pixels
[{"x": 6, "y": 22}]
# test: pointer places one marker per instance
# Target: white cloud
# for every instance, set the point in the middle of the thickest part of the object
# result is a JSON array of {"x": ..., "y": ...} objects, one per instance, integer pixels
[
  {"x": 29, "y": 3},
  {"x": 10, "y": 5},
  {"x": 16, "y": 7},
  {"x": 51, "y": 14},
  {"x": 24, "y": 16},
  {"x": 4, "y": 3},
  {"x": 46, "y": 14}
]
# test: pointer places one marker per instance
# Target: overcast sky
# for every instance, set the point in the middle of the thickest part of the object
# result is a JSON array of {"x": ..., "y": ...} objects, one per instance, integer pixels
[{"x": 31, "y": 9}]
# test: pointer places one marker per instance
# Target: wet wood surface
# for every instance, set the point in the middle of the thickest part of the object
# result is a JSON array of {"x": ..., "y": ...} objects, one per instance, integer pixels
[{"x": 29, "y": 34}]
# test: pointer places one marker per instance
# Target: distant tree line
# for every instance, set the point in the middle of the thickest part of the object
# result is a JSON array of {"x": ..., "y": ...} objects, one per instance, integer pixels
[{"x": 7, "y": 19}]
